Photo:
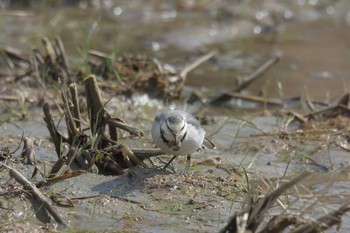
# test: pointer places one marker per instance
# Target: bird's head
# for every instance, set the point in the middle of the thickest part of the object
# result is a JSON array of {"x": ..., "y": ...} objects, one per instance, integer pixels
[
  {"x": 175, "y": 129},
  {"x": 175, "y": 124}
]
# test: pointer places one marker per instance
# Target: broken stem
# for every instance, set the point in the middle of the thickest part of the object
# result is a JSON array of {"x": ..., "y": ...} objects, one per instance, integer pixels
[
  {"x": 36, "y": 193},
  {"x": 196, "y": 63},
  {"x": 119, "y": 124},
  {"x": 248, "y": 80}
]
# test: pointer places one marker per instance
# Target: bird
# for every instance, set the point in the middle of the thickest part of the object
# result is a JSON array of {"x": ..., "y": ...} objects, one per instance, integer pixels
[{"x": 179, "y": 133}]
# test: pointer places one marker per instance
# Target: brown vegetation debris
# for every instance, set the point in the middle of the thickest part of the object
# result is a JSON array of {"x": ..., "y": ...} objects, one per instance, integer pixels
[
  {"x": 125, "y": 74},
  {"x": 136, "y": 73},
  {"x": 100, "y": 148},
  {"x": 28, "y": 152},
  {"x": 142, "y": 74},
  {"x": 330, "y": 124},
  {"x": 45, "y": 67},
  {"x": 223, "y": 98},
  {"x": 4, "y": 153},
  {"x": 36, "y": 193},
  {"x": 252, "y": 217}
]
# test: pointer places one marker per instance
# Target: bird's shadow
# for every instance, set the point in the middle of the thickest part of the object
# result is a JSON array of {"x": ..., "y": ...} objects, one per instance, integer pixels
[{"x": 125, "y": 184}]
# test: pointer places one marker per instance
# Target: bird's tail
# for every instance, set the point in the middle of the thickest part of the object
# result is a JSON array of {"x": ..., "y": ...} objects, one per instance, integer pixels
[{"x": 208, "y": 144}]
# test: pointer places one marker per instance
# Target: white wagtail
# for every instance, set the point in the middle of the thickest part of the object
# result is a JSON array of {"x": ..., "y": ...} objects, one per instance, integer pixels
[{"x": 179, "y": 133}]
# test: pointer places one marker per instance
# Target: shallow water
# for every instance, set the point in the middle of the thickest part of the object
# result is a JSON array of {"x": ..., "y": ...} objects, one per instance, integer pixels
[{"x": 313, "y": 42}]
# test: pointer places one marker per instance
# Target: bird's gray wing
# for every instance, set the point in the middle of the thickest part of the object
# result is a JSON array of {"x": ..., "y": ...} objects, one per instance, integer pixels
[
  {"x": 161, "y": 117},
  {"x": 192, "y": 120}
]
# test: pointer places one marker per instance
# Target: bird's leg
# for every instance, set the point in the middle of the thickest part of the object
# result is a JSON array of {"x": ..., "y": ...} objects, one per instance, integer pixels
[
  {"x": 167, "y": 165},
  {"x": 188, "y": 164}
]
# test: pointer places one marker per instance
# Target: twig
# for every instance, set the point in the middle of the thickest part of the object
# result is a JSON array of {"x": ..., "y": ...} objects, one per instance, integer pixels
[
  {"x": 9, "y": 98},
  {"x": 310, "y": 105},
  {"x": 324, "y": 222},
  {"x": 38, "y": 57},
  {"x": 76, "y": 108},
  {"x": 299, "y": 117},
  {"x": 28, "y": 151},
  {"x": 94, "y": 104},
  {"x": 49, "y": 50},
  {"x": 126, "y": 151},
  {"x": 342, "y": 146},
  {"x": 145, "y": 153},
  {"x": 344, "y": 100},
  {"x": 98, "y": 54},
  {"x": 36, "y": 193},
  {"x": 256, "y": 99},
  {"x": 263, "y": 205},
  {"x": 56, "y": 137},
  {"x": 188, "y": 68},
  {"x": 344, "y": 108},
  {"x": 70, "y": 122},
  {"x": 65, "y": 176},
  {"x": 329, "y": 111},
  {"x": 18, "y": 13},
  {"x": 110, "y": 166},
  {"x": 58, "y": 168},
  {"x": 248, "y": 80},
  {"x": 279, "y": 223},
  {"x": 258, "y": 209},
  {"x": 21, "y": 76},
  {"x": 342, "y": 104},
  {"x": 119, "y": 124},
  {"x": 196, "y": 63},
  {"x": 61, "y": 53},
  {"x": 17, "y": 56}
]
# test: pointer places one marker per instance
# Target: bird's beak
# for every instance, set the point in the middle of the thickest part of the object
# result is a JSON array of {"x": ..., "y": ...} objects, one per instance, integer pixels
[{"x": 177, "y": 143}]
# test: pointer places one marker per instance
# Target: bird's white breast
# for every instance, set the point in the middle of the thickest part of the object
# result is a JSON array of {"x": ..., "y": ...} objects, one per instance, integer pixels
[{"x": 192, "y": 142}]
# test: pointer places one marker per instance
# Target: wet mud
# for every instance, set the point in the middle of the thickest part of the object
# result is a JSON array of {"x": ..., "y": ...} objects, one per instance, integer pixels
[{"x": 291, "y": 118}]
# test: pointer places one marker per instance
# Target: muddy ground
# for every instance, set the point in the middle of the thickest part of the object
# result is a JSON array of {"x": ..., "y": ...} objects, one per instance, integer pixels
[{"x": 293, "y": 117}]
